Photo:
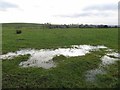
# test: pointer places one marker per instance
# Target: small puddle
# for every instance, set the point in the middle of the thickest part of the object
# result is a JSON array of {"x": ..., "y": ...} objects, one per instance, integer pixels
[
  {"x": 107, "y": 59},
  {"x": 91, "y": 74},
  {"x": 43, "y": 58},
  {"x": 110, "y": 58}
]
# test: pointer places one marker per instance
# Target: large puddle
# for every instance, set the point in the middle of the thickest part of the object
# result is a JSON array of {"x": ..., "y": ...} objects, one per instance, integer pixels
[{"x": 43, "y": 58}]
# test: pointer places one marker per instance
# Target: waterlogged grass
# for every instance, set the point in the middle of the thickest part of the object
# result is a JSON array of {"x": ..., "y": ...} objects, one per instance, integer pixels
[
  {"x": 111, "y": 79},
  {"x": 69, "y": 72}
]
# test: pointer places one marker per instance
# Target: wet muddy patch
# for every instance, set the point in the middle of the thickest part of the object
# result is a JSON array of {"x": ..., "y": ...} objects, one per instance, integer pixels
[{"x": 44, "y": 57}]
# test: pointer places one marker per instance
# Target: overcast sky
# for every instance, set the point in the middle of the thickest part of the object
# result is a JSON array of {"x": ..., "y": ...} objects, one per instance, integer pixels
[{"x": 60, "y": 11}]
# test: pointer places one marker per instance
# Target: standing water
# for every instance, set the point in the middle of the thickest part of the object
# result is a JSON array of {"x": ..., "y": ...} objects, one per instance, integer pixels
[{"x": 43, "y": 58}]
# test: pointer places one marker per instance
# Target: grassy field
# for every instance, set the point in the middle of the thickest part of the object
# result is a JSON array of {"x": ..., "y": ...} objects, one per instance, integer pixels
[{"x": 70, "y": 72}]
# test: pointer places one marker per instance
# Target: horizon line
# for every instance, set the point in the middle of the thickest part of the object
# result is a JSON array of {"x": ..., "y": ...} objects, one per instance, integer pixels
[{"x": 56, "y": 23}]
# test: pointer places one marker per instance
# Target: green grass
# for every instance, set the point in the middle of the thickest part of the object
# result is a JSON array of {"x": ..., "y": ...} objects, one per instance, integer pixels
[
  {"x": 54, "y": 38},
  {"x": 70, "y": 72}
]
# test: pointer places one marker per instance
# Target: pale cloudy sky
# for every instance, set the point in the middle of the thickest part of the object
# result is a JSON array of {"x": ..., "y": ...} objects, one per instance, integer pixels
[{"x": 60, "y": 11}]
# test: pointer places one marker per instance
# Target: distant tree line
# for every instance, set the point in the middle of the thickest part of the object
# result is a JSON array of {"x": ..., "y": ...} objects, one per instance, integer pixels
[
  {"x": 19, "y": 26},
  {"x": 51, "y": 26}
]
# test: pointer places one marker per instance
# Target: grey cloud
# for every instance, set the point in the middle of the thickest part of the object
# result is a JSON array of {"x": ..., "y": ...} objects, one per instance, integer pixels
[
  {"x": 5, "y": 5},
  {"x": 85, "y": 14},
  {"x": 103, "y": 7},
  {"x": 91, "y": 14},
  {"x": 103, "y": 10}
]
